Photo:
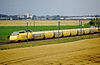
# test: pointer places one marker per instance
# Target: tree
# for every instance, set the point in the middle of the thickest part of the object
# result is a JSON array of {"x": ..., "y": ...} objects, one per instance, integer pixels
[
  {"x": 95, "y": 22},
  {"x": 91, "y": 22}
]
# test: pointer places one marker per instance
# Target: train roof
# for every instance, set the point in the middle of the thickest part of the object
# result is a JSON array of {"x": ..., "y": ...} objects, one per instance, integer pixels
[
  {"x": 59, "y": 30},
  {"x": 23, "y": 31}
]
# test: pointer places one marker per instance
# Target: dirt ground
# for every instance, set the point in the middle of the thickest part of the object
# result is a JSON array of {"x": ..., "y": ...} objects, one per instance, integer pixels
[
  {"x": 83, "y": 52},
  {"x": 42, "y": 23}
]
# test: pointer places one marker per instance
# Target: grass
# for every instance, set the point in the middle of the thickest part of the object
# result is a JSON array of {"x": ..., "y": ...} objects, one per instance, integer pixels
[
  {"x": 6, "y": 31},
  {"x": 46, "y": 42}
]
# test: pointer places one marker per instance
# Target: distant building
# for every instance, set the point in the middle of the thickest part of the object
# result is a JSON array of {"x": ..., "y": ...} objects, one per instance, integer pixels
[
  {"x": 17, "y": 17},
  {"x": 4, "y": 17},
  {"x": 41, "y": 17},
  {"x": 35, "y": 17},
  {"x": 29, "y": 16}
]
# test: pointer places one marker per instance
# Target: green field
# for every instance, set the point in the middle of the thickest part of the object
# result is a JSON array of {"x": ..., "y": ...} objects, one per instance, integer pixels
[{"x": 6, "y": 31}]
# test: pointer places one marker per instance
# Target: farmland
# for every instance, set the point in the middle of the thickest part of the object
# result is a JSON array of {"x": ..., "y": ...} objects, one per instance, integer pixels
[
  {"x": 83, "y": 52},
  {"x": 8, "y": 27},
  {"x": 42, "y": 23}
]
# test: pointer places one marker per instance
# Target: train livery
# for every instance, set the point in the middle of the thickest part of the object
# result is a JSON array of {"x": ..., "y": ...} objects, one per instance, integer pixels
[{"x": 27, "y": 34}]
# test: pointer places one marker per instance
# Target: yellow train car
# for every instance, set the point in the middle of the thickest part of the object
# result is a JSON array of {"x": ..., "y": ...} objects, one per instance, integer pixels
[
  {"x": 86, "y": 30},
  {"x": 57, "y": 34},
  {"x": 80, "y": 31},
  {"x": 23, "y": 36},
  {"x": 92, "y": 30},
  {"x": 73, "y": 32},
  {"x": 38, "y": 35},
  {"x": 96, "y": 29},
  {"x": 48, "y": 34},
  {"x": 66, "y": 33}
]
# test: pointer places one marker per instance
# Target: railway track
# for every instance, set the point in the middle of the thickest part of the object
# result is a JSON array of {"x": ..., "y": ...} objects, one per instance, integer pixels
[{"x": 34, "y": 41}]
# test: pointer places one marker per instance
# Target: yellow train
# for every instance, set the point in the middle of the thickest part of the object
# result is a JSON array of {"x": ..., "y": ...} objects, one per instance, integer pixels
[{"x": 24, "y": 35}]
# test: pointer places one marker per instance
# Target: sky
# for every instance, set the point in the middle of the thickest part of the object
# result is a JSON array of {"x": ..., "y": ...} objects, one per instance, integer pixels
[{"x": 50, "y": 7}]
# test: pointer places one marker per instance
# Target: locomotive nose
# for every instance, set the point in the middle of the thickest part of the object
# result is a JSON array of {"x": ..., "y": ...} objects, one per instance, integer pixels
[{"x": 13, "y": 38}]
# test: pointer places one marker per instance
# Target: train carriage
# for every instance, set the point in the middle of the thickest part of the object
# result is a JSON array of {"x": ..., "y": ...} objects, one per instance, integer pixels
[
  {"x": 96, "y": 29},
  {"x": 86, "y": 30},
  {"x": 38, "y": 35},
  {"x": 66, "y": 33},
  {"x": 58, "y": 34},
  {"x": 48, "y": 34},
  {"x": 92, "y": 30},
  {"x": 80, "y": 31},
  {"x": 73, "y": 32}
]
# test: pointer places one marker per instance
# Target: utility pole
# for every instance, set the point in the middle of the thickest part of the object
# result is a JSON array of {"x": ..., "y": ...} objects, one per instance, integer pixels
[
  {"x": 27, "y": 32},
  {"x": 80, "y": 25},
  {"x": 58, "y": 29},
  {"x": 34, "y": 25}
]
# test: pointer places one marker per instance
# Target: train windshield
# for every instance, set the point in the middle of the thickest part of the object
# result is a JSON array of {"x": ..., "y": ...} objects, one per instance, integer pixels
[{"x": 15, "y": 33}]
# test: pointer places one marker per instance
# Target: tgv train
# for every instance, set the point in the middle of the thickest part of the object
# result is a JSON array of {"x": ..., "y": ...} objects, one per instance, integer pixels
[{"x": 24, "y": 35}]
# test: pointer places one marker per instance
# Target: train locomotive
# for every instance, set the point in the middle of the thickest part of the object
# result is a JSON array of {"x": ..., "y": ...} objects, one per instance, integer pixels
[{"x": 27, "y": 34}]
